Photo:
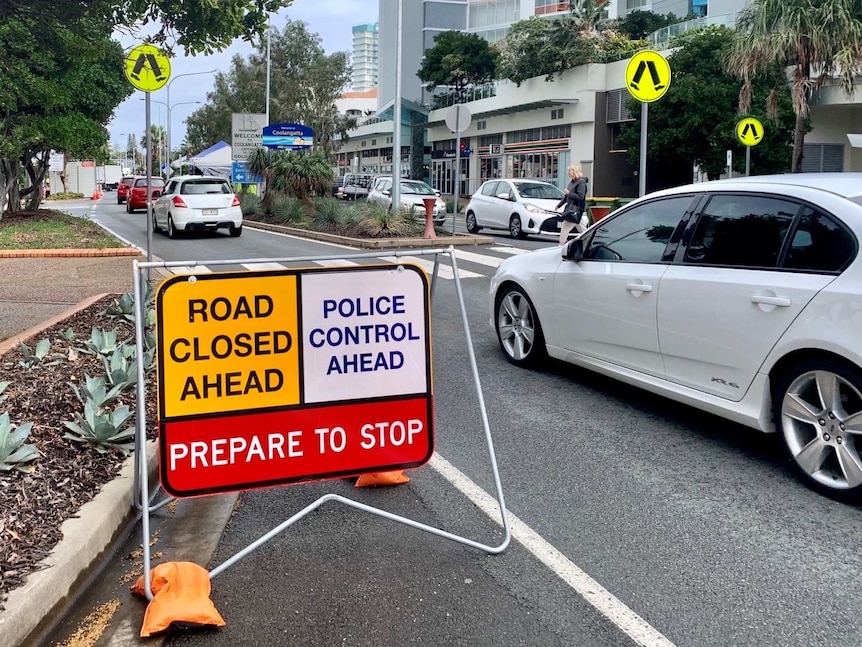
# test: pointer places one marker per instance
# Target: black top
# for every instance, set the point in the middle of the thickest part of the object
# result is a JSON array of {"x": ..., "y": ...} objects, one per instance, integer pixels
[{"x": 576, "y": 198}]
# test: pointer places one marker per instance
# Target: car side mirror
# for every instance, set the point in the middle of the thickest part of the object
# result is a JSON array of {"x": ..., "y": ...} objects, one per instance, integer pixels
[
  {"x": 386, "y": 192},
  {"x": 573, "y": 250},
  {"x": 503, "y": 196}
]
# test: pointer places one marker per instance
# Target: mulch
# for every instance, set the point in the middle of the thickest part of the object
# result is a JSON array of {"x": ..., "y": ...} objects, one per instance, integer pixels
[
  {"x": 67, "y": 474},
  {"x": 23, "y": 217}
]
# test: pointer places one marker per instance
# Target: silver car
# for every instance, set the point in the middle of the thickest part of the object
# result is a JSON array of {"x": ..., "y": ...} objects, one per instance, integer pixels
[{"x": 413, "y": 194}]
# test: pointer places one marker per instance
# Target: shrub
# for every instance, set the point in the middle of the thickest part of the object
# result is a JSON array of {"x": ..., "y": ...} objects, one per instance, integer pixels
[
  {"x": 250, "y": 204},
  {"x": 65, "y": 196},
  {"x": 328, "y": 214},
  {"x": 289, "y": 211},
  {"x": 13, "y": 452},
  {"x": 377, "y": 220}
]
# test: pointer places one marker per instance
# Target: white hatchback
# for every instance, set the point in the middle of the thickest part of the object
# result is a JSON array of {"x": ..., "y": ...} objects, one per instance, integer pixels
[
  {"x": 197, "y": 203},
  {"x": 520, "y": 206},
  {"x": 413, "y": 196},
  {"x": 740, "y": 297}
]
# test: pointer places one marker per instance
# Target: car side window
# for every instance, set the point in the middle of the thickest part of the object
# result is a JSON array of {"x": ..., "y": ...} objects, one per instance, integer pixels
[
  {"x": 490, "y": 188},
  {"x": 819, "y": 244},
  {"x": 172, "y": 188},
  {"x": 504, "y": 191},
  {"x": 640, "y": 234},
  {"x": 741, "y": 231}
]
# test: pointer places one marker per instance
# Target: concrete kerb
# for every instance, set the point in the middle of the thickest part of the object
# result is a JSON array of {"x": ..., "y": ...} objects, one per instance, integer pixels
[
  {"x": 375, "y": 243},
  {"x": 47, "y": 592}
]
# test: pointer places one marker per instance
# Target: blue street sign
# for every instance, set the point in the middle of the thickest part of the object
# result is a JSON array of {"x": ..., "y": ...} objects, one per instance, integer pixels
[
  {"x": 291, "y": 136},
  {"x": 241, "y": 175}
]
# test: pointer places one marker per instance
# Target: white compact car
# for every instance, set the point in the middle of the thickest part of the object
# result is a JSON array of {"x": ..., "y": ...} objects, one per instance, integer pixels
[
  {"x": 413, "y": 194},
  {"x": 521, "y": 206},
  {"x": 197, "y": 203},
  {"x": 740, "y": 297}
]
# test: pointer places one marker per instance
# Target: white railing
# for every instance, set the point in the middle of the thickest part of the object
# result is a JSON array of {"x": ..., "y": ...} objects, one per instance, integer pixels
[{"x": 666, "y": 34}]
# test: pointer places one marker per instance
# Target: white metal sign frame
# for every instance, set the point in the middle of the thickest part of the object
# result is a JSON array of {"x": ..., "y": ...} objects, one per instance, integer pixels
[{"x": 143, "y": 500}]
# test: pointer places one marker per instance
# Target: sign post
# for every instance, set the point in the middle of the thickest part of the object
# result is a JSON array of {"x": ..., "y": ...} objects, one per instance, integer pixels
[
  {"x": 458, "y": 120},
  {"x": 148, "y": 69},
  {"x": 749, "y": 132},
  {"x": 646, "y": 90}
]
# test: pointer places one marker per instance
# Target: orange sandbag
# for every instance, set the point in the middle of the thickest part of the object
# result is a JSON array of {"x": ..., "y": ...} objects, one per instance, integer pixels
[
  {"x": 181, "y": 595},
  {"x": 382, "y": 478}
]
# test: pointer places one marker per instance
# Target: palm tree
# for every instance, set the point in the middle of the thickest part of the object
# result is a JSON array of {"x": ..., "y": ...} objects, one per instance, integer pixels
[
  {"x": 816, "y": 39},
  {"x": 262, "y": 161},
  {"x": 303, "y": 175}
]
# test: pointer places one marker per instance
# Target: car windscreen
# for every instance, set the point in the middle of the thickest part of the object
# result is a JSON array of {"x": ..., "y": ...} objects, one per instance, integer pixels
[
  {"x": 416, "y": 188},
  {"x": 155, "y": 183},
  {"x": 203, "y": 187},
  {"x": 538, "y": 191}
]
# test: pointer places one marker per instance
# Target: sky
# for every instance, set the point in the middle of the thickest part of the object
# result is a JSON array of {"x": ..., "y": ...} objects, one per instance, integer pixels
[{"x": 332, "y": 20}]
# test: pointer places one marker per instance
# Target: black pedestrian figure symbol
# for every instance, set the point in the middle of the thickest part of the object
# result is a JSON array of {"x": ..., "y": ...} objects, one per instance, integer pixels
[
  {"x": 653, "y": 73},
  {"x": 141, "y": 63},
  {"x": 750, "y": 128}
]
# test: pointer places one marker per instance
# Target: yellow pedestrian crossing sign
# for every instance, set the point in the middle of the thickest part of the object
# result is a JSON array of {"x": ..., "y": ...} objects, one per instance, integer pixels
[
  {"x": 147, "y": 68},
  {"x": 749, "y": 131},
  {"x": 648, "y": 76}
]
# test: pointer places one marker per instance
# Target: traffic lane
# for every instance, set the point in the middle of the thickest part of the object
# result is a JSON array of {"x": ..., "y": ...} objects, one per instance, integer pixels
[
  {"x": 207, "y": 246},
  {"x": 674, "y": 511},
  {"x": 342, "y": 576}
]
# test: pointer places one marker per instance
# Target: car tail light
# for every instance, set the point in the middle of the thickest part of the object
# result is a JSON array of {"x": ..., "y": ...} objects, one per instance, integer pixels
[
  {"x": 235, "y": 202},
  {"x": 178, "y": 202}
]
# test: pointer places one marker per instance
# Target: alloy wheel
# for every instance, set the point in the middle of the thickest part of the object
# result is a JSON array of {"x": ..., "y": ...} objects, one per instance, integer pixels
[
  {"x": 821, "y": 418},
  {"x": 516, "y": 324},
  {"x": 515, "y": 227}
]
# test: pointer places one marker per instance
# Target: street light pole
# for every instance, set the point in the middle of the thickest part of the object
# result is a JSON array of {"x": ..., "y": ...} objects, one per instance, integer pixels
[
  {"x": 168, "y": 103},
  {"x": 396, "y": 116},
  {"x": 268, "y": 62}
]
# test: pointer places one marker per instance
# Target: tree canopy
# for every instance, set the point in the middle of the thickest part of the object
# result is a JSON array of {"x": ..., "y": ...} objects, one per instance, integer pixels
[
  {"x": 640, "y": 24},
  {"x": 305, "y": 84},
  {"x": 816, "y": 39},
  {"x": 458, "y": 60},
  {"x": 694, "y": 122}
]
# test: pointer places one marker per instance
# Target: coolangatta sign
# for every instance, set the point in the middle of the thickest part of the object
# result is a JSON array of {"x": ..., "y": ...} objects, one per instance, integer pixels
[
  {"x": 289, "y": 136},
  {"x": 246, "y": 134}
]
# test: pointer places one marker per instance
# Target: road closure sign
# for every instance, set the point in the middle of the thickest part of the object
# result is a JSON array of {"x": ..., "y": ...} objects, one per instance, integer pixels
[{"x": 276, "y": 377}]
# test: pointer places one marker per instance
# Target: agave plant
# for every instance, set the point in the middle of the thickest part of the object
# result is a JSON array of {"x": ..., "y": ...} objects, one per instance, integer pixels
[
  {"x": 13, "y": 450},
  {"x": 377, "y": 220},
  {"x": 31, "y": 357},
  {"x": 102, "y": 428},
  {"x": 328, "y": 214},
  {"x": 3, "y": 387},
  {"x": 96, "y": 391},
  {"x": 101, "y": 342},
  {"x": 289, "y": 211}
]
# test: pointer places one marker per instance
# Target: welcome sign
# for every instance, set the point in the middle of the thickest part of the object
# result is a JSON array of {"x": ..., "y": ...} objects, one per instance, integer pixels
[{"x": 288, "y": 136}]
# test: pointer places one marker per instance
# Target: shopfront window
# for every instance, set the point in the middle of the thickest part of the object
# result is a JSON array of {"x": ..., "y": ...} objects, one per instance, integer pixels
[
  {"x": 545, "y": 166},
  {"x": 490, "y": 168}
]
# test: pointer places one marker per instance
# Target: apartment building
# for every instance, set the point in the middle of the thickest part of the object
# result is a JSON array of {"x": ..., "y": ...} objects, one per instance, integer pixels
[{"x": 366, "y": 45}]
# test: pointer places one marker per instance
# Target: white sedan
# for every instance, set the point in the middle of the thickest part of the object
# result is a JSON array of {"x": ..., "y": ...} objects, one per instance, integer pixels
[
  {"x": 520, "y": 206},
  {"x": 740, "y": 297},
  {"x": 413, "y": 195},
  {"x": 197, "y": 203}
]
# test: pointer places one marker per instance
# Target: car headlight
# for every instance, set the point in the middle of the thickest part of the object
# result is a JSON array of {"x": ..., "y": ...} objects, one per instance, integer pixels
[{"x": 533, "y": 208}]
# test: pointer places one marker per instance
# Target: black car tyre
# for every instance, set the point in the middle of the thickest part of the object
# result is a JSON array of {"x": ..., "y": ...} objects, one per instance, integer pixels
[
  {"x": 472, "y": 227},
  {"x": 518, "y": 329},
  {"x": 818, "y": 413},
  {"x": 156, "y": 228},
  {"x": 173, "y": 232},
  {"x": 235, "y": 232},
  {"x": 515, "y": 230},
  {"x": 119, "y": 200},
  {"x": 129, "y": 207}
]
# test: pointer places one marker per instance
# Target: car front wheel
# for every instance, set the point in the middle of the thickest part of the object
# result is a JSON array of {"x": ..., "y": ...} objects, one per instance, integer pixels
[
  {"x": 518, "y": 329},
  {"x": 472, "y": 226},
  {"x": 818, "y": 411},
  {"x": 515, "y": 230}
]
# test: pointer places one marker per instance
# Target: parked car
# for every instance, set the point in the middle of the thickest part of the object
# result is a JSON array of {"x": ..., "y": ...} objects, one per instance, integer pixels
[
  {"x": 136, "y": 195},
  {"x": 197, "y": 203},
  {"x": 123, "y": 187},
  {"x": 521, "y": 206},
  {"x": 740, "y": 297},
  {"x": 413, "y": 192},
  {"x": 356, "y": 185}
]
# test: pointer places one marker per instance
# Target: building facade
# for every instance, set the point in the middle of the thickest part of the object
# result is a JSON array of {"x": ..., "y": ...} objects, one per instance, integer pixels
[{"x": 366, "y": 45}]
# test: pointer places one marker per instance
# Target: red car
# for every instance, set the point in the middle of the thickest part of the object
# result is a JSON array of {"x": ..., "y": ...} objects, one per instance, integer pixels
[
  {"x": 123, "y": 188},
  {"x": 136, "y": 197}
]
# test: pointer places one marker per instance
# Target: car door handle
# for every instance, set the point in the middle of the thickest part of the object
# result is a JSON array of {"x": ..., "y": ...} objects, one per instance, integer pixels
[
  {"x": 763, "y": 299},
  {"x": 638, "y": 287}
]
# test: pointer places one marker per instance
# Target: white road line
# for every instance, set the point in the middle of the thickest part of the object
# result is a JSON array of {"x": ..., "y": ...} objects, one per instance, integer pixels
[
  {"x": 249, "y": 224},
  {"x": 509, "y": 250},
  {"x": 443, "y": 271},
  {"x": 263, "y": 266},
  {"x": 480, "y": 259},
  {"x": 336, "y": 262},
  {"x": 190, "y": 269},
  {"x": 602, "y": 600}
]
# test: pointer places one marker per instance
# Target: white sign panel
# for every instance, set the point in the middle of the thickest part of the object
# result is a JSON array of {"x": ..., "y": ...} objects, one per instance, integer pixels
[
  {"x": 246, "y": 134},
  {"x": 364, "y": 334},
  {"x": 56, "y": 162}
]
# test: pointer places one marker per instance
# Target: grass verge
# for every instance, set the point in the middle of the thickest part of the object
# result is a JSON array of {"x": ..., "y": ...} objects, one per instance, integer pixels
[{"x": 49, "y": 229}]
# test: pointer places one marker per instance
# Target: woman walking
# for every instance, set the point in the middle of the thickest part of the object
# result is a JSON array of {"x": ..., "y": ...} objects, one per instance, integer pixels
[{"x": 573, "y": 202}]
